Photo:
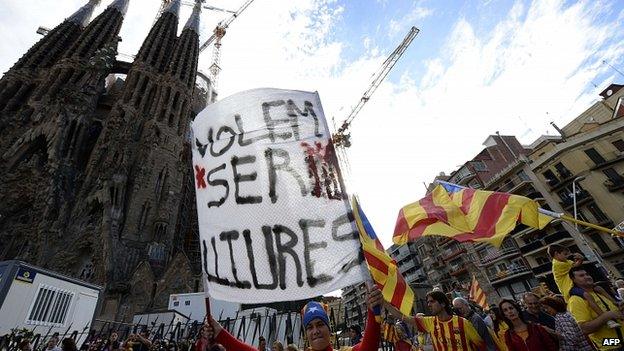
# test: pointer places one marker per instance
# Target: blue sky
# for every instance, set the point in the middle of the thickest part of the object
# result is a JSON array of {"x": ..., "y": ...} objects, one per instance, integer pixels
[{"x": 476, "y": 67}]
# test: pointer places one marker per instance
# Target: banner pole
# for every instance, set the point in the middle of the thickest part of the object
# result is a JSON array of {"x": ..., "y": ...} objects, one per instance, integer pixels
[{"x": 577, "y": 221}]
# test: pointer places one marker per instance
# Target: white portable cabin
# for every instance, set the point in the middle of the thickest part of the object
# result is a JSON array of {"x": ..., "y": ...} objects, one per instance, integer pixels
[{"x": 48, "y": 302}]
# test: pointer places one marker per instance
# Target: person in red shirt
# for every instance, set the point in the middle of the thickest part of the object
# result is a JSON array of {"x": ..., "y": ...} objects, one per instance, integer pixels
[
  {"x": 316, "y": 324},
  {"x": 202, "y": 342},
  {"x": 522, "y": 335}
]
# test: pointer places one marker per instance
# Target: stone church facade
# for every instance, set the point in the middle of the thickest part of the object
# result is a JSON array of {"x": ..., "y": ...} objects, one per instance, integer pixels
[{"x": 95, "y": 167}]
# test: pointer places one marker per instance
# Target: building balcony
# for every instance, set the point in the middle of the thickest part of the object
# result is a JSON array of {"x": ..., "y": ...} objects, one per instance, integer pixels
[
  {"x": 509, "y": 273},
  {"x": 582, "y": 197},
  {"x": 609, "y": 159},
  {"x": 456, "y": 271},
  {"x": 542, "y": 268},
  {"x": 450, "y": 254},
  {"x": 535, "y": 195},
  {"x": 531, "y": 246},
  {"x": 614, "y": 184},
  {"x": 558, "y": 236},
  {"x": 504, "y": 251}
]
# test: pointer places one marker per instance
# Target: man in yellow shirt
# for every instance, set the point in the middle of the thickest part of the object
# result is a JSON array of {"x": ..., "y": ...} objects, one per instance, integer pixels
[{"x": 592, "y": 323}]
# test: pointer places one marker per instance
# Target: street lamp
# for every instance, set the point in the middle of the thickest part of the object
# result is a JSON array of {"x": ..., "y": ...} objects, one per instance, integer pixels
[{"x": 577, "y": 179}]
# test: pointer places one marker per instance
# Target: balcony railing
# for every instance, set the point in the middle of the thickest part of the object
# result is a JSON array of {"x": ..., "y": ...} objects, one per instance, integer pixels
[
  {"x": 509, "y": 273},
  {"x": 614, "y": 184},
  {"x": 609, "y": 159},
  {"x": 581, "y": 196},
  {"x": 450, "y": 254},
  {"x": 542, "y": 268},
  {"x": 455, "y": 271},
  {"x": 505, "y": 250},
  {"x": 560, "y": 235},
  {"x": 531, "y": 246}
]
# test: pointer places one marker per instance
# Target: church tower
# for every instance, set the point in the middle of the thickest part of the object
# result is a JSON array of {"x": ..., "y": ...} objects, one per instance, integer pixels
[
  {"x": 95, "y": 168},
  {"x": 17, "y": 84}
]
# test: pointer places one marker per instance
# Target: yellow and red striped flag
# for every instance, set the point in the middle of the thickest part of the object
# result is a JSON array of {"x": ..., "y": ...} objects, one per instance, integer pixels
[
  {"x": 467, "y": 215},
  {"x": 477, "y": 294},
  {"x": 382, "y": 267}
]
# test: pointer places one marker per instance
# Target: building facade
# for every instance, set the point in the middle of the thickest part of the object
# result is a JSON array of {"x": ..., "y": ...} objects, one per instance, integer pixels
[
  {"x": 583, "y": 171},
  {"x": 95, "y": 157},
  {"x": 588, "y": 154}
]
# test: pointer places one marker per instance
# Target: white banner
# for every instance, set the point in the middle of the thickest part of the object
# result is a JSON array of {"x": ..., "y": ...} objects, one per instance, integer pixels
[{"x": 274, "y": 220}]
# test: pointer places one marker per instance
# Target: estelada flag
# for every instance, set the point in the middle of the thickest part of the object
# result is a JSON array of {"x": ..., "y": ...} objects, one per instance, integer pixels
[
  {"x": 382, "y": 267},
  {"x": 477, "y": 294},
  {"x": 466, "y": 214}
]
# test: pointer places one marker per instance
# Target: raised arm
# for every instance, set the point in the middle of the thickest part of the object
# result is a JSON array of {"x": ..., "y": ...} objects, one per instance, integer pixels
[
  {"x": 221, "y": 336},
  {"x": 372, "y": 334}
]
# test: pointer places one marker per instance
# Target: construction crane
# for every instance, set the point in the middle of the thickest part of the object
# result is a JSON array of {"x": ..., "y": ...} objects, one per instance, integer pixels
[
  {"x": 216, "y": 37},
  {"x": 342, "y": 138},
  {"x": 217, "y": 34},
  {"x": 164, "y": 4}
]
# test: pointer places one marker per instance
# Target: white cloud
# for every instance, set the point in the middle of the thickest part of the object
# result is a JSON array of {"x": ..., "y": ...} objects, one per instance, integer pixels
[{"x": 410, "y": 19}]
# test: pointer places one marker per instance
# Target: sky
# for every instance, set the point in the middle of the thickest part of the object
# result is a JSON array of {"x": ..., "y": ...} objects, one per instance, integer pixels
[{"x": 475, "y": 68}]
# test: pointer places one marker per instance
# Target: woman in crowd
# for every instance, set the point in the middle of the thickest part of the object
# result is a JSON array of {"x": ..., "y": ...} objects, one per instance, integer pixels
[
  {"x": 112, "y": 343},
  {"x": 292, "y": 347},
  {"x": 522, "y": 335},
  {"x": 572, "y": 338}
]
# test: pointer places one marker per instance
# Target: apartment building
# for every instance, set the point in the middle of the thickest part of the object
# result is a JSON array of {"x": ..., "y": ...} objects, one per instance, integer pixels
[
  {"x": 409, "y": 261},
  {"x": 583, "y": 170},
  {"x": 354, "y": 301}
]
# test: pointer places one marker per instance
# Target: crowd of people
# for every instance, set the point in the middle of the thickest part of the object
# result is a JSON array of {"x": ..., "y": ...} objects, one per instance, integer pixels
[{"x": 585, "y": 316}]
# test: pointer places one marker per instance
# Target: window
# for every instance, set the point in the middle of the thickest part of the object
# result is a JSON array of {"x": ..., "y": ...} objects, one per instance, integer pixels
[
  {"x": 619, "y": 144},
  {"x": 581, "y": 216},
  {"x": 187, "y": 303},
  {"x": 479, "y": 166},
  {"x": 564, "y": 195},
  {"x": 50, "y": 306},
  {"x": 176, "y": 303},
  {"x": 551, "y": 178},
  {"x": 542, "y": 260},
  {"x": 563, "y": 171},
  {"x": 594, "y": 156},
  {"x": 613, "y": 175},
  {"x": 597, "y": 213},
  {"x": 602, "y": 245},
  {"x": 522, "y": 175}
]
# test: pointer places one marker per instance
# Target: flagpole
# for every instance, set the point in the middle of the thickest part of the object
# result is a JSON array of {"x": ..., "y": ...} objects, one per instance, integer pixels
[{"x": 578, "y": 221}]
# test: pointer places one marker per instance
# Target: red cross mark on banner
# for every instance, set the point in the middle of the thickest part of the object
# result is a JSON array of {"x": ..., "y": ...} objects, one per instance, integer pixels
[{"x": 199, "y": 177}]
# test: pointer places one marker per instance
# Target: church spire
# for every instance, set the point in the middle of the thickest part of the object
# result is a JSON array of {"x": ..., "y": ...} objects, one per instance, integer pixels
[
  {"x": 83, "y": 15},
  {"x": 173, "y": 7},
  {"x": 121, "y": 5},
  {"x": 193, "y": 21}
]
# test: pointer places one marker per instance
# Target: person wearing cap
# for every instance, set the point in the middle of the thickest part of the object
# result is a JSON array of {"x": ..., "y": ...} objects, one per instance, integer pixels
[{"x": 317, "y": 330}]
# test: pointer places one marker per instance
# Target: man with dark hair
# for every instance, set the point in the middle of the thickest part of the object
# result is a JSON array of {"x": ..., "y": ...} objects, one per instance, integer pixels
[
  {"x": 355, "y": 334},
  {"x": 262, "y": 343},
  {"x": 592, "y": 323},
  {"x": 447, "y": 331}
]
